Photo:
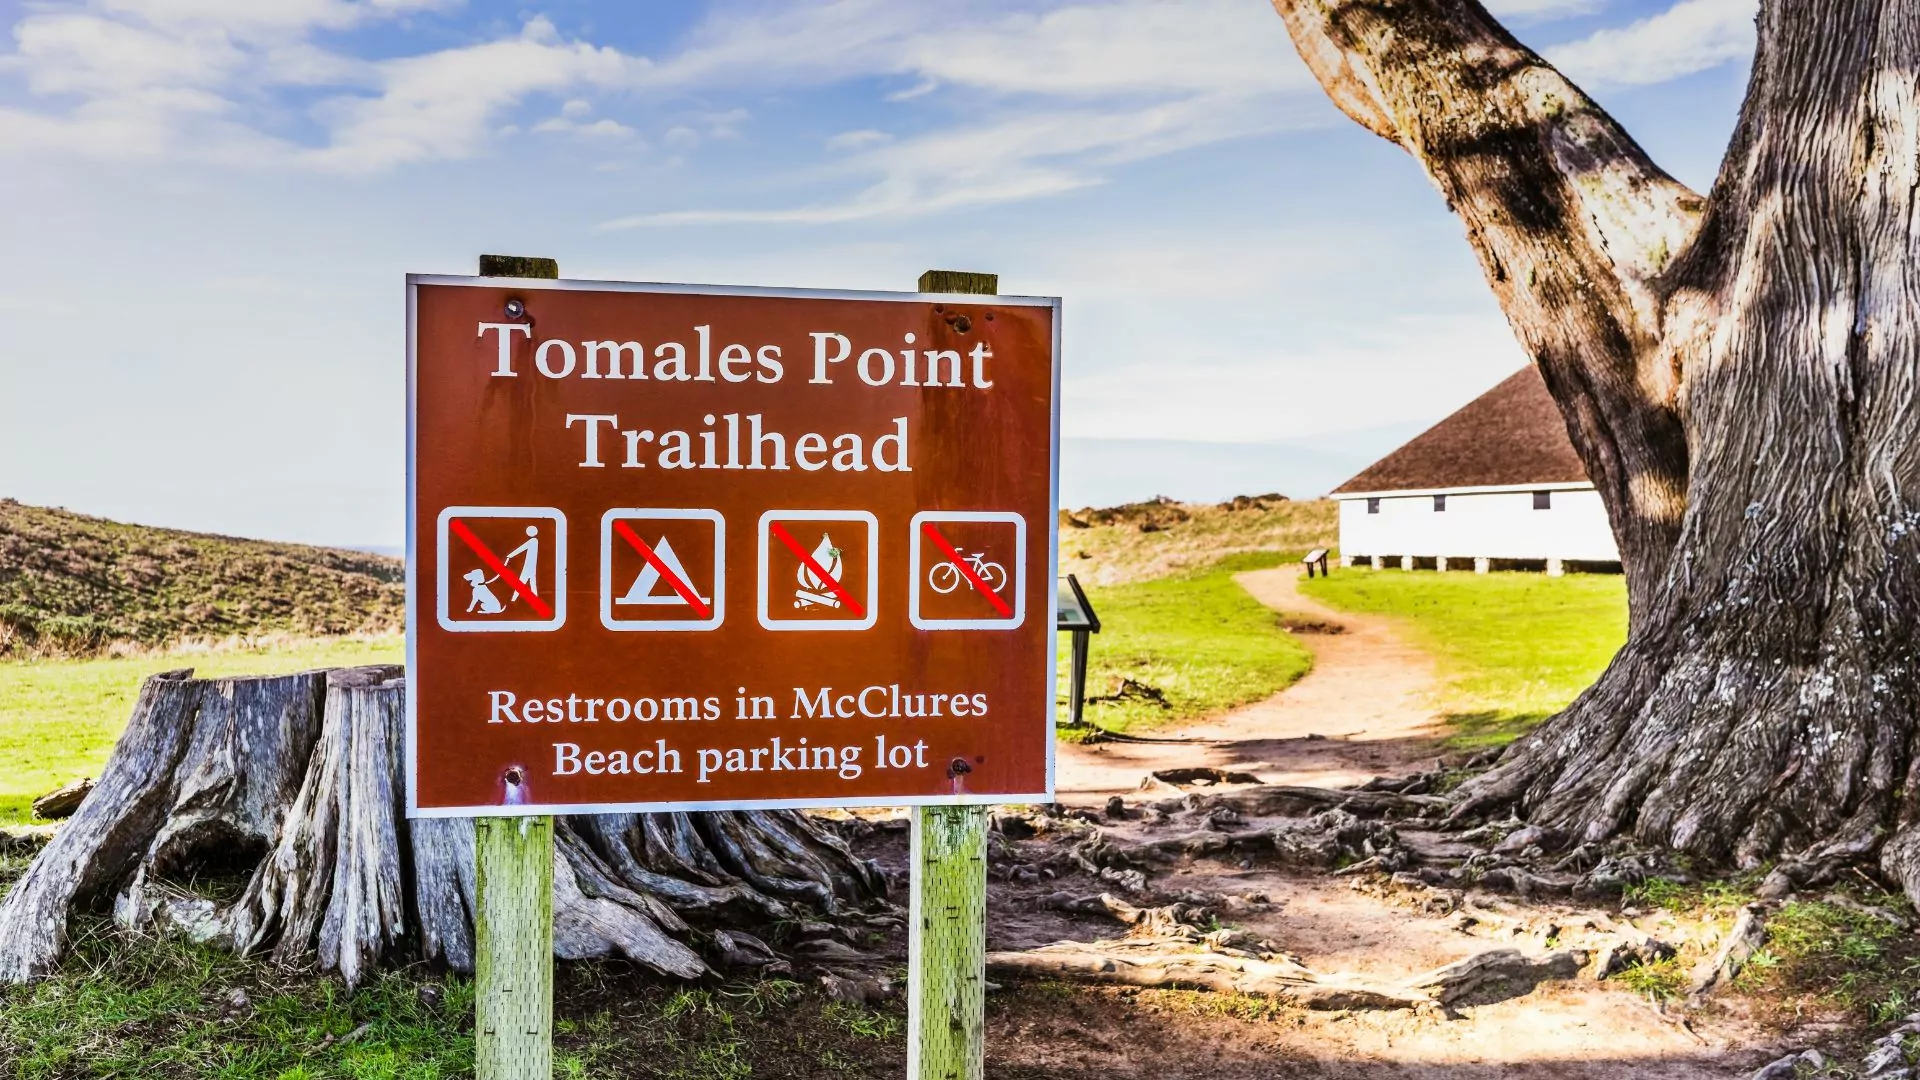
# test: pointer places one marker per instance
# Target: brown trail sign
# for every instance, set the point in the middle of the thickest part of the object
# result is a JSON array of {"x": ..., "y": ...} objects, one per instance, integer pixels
[
  {"x": 681, "y": 547},
  {"x": 743, "y": 486}
]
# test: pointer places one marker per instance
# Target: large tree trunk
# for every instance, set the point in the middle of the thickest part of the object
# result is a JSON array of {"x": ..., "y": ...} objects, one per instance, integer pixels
[
  {"x": 267, "y": 815},
  {"x": 1739, "y": 374}
]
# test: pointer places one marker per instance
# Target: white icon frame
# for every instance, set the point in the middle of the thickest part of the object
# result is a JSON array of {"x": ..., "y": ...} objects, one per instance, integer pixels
[
  {"x": 607, "y": 540},
  {"x": 452, "y": 623},
  {"x": 873, "y": 569},
  {"x": 1017, "y": 585}
]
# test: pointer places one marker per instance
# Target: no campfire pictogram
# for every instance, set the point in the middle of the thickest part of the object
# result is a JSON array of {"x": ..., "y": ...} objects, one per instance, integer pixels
[
  {"x": 819, "y": 569},
  {"x": 662, "y": 569},
  {"x": 968, "y": 570},
  {"x": 502, "y": 569}
]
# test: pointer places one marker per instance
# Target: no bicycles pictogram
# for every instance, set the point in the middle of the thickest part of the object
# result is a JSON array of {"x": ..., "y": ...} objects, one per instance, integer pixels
[{"x": 959, "y": 576}]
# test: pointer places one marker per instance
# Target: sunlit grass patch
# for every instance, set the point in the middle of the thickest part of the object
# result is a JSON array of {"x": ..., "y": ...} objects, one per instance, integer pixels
[
  {"x": 1197, "y": 639},
  {"x": 1514, "y": 648},
  {"x": 59, "y": 718}
]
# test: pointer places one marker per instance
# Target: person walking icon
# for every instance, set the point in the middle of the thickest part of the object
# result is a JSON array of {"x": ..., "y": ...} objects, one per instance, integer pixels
[{"x": 529, "y": 556}]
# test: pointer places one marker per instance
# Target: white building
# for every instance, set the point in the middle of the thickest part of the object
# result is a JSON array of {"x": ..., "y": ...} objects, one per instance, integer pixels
[{"x": 1496, "y": 484}]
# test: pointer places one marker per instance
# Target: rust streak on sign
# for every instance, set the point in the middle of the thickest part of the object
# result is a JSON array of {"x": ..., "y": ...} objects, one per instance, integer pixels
[
  {"x": 459, "y": 528},
  {"x": 666, "y": 547},
  {"x": 653, "y": 559}
]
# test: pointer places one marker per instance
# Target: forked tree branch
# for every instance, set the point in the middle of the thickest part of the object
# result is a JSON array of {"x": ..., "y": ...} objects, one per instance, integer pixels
[{"x": 1574, "y": 225}]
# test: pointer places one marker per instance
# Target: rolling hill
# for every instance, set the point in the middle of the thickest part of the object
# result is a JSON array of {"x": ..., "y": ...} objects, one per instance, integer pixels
[{"x": 73, "y": 584}]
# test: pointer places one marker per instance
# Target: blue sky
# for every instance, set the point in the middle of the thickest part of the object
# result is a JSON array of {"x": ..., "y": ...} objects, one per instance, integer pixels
[{"x": 208, "y": 206}]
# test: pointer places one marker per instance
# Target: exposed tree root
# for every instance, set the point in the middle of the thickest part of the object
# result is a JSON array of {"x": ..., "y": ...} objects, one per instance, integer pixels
[{"x": 1165, "y": 947}]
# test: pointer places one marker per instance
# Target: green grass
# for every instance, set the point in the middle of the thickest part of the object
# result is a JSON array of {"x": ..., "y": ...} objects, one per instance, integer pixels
[
  {"x": 59, "y": 718},
  {"x": 1513, "y": 648},
  {"x": 1197, "y": 637},
  {"x": 121, "y": 1007}
]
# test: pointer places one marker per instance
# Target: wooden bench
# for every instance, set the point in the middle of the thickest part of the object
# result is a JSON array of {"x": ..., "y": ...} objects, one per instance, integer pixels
[{"x": 1316, "y": 558}]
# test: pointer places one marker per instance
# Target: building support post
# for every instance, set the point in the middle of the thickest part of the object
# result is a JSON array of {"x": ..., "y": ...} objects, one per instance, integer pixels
[
  {"x": 1556, "y": 567},
  {"x": 1440, "y": 563},
  {"x": 1406, "y": 562},
  {"x": 1481, "y": 566}
]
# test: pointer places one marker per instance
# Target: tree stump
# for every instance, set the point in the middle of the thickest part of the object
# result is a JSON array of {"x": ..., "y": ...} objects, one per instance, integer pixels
[{"x": 267, "y": 815}]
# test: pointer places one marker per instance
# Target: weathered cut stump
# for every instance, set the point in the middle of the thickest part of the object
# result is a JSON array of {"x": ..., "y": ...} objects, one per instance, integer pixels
[{"x": 266, "y": 815}]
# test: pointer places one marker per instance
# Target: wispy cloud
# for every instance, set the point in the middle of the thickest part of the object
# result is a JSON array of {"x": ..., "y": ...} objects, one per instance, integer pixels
[
  {"x": 1691, "y": 36},
  {"x": 1057, "y": 98}
]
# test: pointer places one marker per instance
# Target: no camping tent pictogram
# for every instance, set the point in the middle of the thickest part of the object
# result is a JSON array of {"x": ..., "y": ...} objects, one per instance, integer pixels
[{"x": 662, "y": 569}]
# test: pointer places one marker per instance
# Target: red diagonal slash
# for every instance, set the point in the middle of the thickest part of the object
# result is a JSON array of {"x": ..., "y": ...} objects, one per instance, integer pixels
[
  {"x": 459, "y": 529},
  {"x": 781, "y": 534},
  {"x": 686, "y": 591},
  {"x": 960, "y": 564}
]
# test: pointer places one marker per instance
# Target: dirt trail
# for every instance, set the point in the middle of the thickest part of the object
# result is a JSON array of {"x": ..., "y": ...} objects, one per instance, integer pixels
[{"x": 1367, "y": 708}]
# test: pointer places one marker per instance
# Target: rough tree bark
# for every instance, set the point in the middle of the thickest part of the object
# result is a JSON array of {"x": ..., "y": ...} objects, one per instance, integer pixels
[
  {"x": 266, "y": 815},
  {"x": 1739, "y": 375}
]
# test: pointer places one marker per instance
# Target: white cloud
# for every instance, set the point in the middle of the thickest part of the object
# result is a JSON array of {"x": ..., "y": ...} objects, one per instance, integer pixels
[
  {"x": 1691, "y": 36},
  {"x": 858, "y": 140},
  {"x": 1536, "y": 11},
  {"x": 444, "y": 104},
  {"x": 1059, "y": 97}
]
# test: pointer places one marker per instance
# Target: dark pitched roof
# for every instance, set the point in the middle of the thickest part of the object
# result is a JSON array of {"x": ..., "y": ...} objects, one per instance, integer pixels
[{"x": 1511, "y": 435}]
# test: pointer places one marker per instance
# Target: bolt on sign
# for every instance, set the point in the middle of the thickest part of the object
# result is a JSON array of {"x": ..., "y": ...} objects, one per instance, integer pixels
[{"x": 678, "y": 547}]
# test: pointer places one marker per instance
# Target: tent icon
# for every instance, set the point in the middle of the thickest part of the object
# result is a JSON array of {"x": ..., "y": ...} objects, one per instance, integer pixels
[
  {"x": 647, "y": 583},
  {"x": 650, "y": 586}
]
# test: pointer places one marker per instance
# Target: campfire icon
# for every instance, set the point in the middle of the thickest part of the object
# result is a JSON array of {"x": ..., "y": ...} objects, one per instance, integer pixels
[{"x": 814, "y": 591}]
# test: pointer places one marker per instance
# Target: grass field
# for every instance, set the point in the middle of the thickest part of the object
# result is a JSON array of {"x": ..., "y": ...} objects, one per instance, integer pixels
[
  {"x": 1196, "y": 637},
  {"x": 59, "y": 718},
  {"x": 1514, "y": 648}
]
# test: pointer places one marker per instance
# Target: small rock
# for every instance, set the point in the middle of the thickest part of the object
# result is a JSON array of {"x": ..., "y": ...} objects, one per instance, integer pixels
[
  {"x": 1786, "y": 1068},
  {"x": 1885, "y": 1057},
  {"x": 431, "y": 996},
  {"x": 238, "y": 1002},
  {"x": 1116, "y": 807},
  {"x": 1813, "y": 1059}
]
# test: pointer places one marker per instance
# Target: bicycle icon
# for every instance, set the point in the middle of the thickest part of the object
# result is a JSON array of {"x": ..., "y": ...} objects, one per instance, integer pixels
[{"x": 946, "y": 577}]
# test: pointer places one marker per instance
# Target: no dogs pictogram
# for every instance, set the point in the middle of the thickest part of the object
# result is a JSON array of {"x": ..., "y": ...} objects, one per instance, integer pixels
[
  {"x": 503, "y": 569},
  {"x": 662, "y": 569},
  {"x": 967, "y": 570}
]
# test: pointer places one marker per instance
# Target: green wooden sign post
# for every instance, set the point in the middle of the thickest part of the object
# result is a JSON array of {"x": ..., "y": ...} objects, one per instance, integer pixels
[
  {"x": 947, "y": 895},
  {"x": 513, "y": 899}
]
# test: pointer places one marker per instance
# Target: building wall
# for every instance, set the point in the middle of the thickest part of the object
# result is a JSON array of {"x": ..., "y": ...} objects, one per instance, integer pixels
[{"x": 1490, "y": 525}]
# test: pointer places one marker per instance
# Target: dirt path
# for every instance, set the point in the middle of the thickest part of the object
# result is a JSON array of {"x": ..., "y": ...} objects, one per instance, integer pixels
[{"x": 1365, "y": 709}]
